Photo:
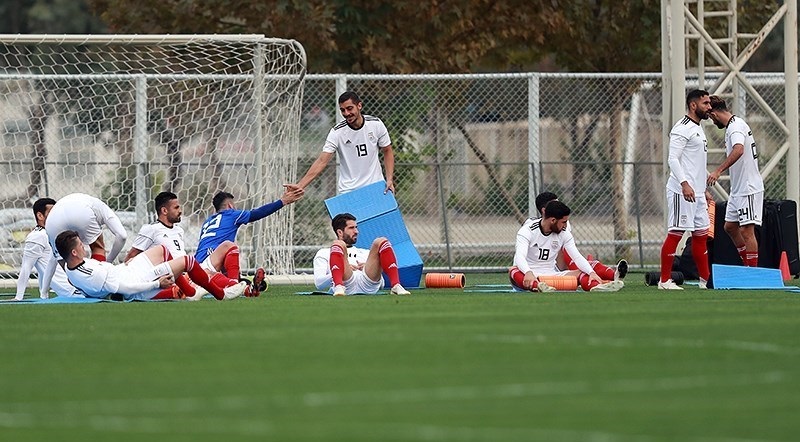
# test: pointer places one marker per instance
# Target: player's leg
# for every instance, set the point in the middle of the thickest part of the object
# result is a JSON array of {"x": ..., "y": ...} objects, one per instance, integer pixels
[
  {"x": 677, "y": 222},
  {"x": 340, "y": 268},
  {"x": 731, "y": 227},
  {"x": 199, "y": 276},
  {"x": 700, "y": 239},
  {"x": 748, "y": 220},
  {"x": 382, "y": 259},
  {"x": 748, "y": 234},
  {"x": 517, "y": 278}
]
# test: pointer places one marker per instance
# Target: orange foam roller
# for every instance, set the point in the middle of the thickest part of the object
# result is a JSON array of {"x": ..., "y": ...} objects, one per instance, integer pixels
[
  {"x": 445, "y": 280},
  {"x": 712, "y": 215},
  {"x": 565, "y": 282}
]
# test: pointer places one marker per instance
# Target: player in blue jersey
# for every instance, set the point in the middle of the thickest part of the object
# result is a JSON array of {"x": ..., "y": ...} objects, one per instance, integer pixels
[{"x": 217, "y": 249}]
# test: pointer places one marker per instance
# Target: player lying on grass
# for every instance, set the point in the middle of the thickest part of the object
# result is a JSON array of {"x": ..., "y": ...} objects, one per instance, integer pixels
[
  {"x": 217, "y": 250},
  {"x": 149, "y": 275},
  {"x": 539, "y": 241},
  {"x": 564, "y": 262},
  {"x": 37, "y": 253},
  {"x": 360, "y": 271}
]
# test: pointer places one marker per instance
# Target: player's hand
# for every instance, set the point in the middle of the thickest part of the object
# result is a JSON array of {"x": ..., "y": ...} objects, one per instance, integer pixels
[
  {"x": 166, "y": 281},
  {"x": 527, "y": 281},
  {"x": 712, "y": 178},
  {"x": 595, "y": 277},
  {"x": 292, "y": 193},
  {"x": 688, "y": 192},
  {"x": 389, "y": 187}
]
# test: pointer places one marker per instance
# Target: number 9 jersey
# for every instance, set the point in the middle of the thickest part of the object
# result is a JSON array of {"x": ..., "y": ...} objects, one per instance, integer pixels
[{"x": 357, "y": 150}]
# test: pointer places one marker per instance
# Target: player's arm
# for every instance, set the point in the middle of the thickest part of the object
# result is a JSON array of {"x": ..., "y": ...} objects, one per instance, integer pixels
[
  {"x": 142, "y": 242},
  {"x": 521, "y": 257},
  {"x": 28, "y": 261},
  {"x": 579, "y": 260},
  {"x": 120, "y": 236},
  {"x": 131, "y": 253},
  {"x": 322, "y": 271},
  {"x": 388, "y": 167},
  {"x": 316, "y": 168},
  {"x": 737, "y": 151},
  {"x": 127, "y": 287},
  {"x": 47, "y": 277},
  {"x": 677, "y": 143}
]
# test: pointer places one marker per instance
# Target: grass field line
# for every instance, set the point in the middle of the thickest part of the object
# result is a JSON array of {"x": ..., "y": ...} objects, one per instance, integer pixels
[{"x": 599, "y": 341}]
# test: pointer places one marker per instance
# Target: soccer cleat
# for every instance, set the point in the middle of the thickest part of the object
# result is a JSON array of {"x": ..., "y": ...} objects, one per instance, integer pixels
[
  {"x": 621, "y": 271},
  {"x": 339, "y": 291},
  {"x": 668, "y": 285},
  {"x": 198, "y": 294},
  {"x": 235, "y": 290},
  {"x": 543, "y": 287},
  {"x": 398, "y": 289},
  {"x": 259, "y": 282},
  {"x": 703, "y": 284},
  {"x": 610, "y": 286}
]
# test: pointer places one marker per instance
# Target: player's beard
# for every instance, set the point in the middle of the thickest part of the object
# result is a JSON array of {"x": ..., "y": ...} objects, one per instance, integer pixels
[
  {"x": 554, "y": 227},
  {"x": 349, "y": 240}
]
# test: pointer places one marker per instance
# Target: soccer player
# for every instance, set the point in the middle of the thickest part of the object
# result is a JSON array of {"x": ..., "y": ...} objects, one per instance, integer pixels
[
  {"x": 37, "y": 253},
  {"x": 360, "y": 272},
  {"x": 563, "y": 261},
  {"x": 539, "y": 241},
  {"x": 149, "y": 275},
  {"x": 746, "y": 199},
  {"x": 217, "y": 250},
  {"x": 165, "y": 231},
  {"x": 687, "y": 208},
  {"x": 357, "y": 141},
  {"x": 86, "y": 215}
]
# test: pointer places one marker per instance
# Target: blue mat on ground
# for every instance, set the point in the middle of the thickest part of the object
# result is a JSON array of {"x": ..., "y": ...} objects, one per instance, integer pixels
[
  {"x": 377, "y": 215},
  {"x": 331, "y": 294},
  {"x": 727, "y": 277},
  {"x": 69, "y": 300}
]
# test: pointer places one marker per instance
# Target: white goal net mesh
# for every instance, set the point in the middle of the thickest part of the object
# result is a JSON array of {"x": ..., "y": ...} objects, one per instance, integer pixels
[{"x": 124, "y": 118}]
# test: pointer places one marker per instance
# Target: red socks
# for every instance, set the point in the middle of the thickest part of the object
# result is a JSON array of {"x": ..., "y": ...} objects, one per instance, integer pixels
[
  {"x": 99, "y": 257},
  {"x": 517, "y": 276},
  {"x": 700, "y": 253},
  {"x": 751, "y": 259},
  {"x": 337, "y": 263},
  {"x": 223, "y": 281},
  {"x": 586, "y": 285},
  {"x": 231, "y": 263},
  {"x": 668, "y": 253},
  {"x": 389, "y": 262},
  {"x": 200, "y": 277}
]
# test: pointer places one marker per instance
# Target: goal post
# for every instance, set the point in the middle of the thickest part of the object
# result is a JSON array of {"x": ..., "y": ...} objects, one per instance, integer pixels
[{"x": 124, "y": 117}]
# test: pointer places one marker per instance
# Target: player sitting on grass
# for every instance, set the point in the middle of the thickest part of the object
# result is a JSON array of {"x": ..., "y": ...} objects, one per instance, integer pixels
[
  {"x": 149, "y": 275},
  {"x": 564, "y": 262},
  {"x": 539, "y": 241},
  {"x": 360, "y": 271}
]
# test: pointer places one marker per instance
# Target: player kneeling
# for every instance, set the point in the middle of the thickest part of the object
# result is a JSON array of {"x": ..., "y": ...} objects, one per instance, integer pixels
[
  {"x": 149, "y": 275},
  {"x": 539, "y": 242}
]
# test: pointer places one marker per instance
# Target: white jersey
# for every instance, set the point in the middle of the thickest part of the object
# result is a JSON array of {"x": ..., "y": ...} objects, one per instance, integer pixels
[
  {"x": 357, "y": 152},
  {"x": 322, "y": 267},
  {"x": 36, "y": 253},
  {"x": 745, "y": 177},
  {"x": 157, "y": 234},
  {"x": 138, "y": 279},
  {"x": 537, "y": 251},
  {"x": 688, "y": 160},
  {"x": 86, "y": 215}
]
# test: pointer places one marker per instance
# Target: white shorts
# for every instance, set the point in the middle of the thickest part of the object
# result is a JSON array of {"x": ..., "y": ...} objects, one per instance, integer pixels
[
  {"x": 79, "y": 218},
  {"x": 359, "y": 282},
  {"x": 746, "y": 209},
  {"x": 141, "y": 269},
  {"x": 685, "y": 215},
  {"x": 207, "y": 266}
]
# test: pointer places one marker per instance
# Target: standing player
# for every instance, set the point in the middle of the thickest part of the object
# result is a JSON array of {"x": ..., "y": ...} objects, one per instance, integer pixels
[
  {"x": 217, "y": 250},
  {"x": 361, "y": 271},
  {"x": 687, "y": 208},
  {"x": 149, "y": 275},
  {"x": 563, "y": 261},
  {"x": 746, "y": 199},
  {"x": 539, "y": 242},
  {"x": 38, "y": 253},
  {"x": 86, "y": 215},
  {"x": 357, "y": 141}
]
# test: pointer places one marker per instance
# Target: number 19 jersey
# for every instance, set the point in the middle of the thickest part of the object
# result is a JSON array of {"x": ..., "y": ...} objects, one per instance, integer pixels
[{"x": 357, "y": 151}]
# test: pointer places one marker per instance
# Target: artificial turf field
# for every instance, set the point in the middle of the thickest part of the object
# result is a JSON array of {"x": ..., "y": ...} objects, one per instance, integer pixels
[{"x": 439, "y": 365}]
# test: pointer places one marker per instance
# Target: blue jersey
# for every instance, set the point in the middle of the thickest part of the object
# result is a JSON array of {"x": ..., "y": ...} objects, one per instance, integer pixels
[{"x": 223, "y": 226}]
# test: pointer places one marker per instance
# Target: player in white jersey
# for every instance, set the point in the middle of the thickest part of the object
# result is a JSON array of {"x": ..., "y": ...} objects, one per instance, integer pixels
[
  {"x": 746, "y": 198},
  {"x": 37, "y": 253},
  {"x": 165, "y": 231},
  {"x": 356, "y": 141},
  {"x": 687, "y": 209},
  {"x": 539, "y": 242},
  {"x": 361, "y": 271},
  {"x": 149, "y": 275}
]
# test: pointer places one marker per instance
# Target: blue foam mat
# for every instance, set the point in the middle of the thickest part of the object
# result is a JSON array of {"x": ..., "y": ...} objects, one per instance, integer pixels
[
  {"x": 316, "y": 293},
  {"x": 71, "y": 300},
  {"x": 728, "y": 277}
]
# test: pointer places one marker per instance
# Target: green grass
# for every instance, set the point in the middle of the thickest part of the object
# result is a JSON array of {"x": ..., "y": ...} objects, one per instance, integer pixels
[{"x": 440, "y": 365}]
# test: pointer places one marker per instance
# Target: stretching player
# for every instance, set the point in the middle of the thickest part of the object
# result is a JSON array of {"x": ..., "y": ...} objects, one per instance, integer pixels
[
  {"x": 217, "y": 250},
  {"x": 746, "y": 200},
  {"x": 86, "y": 215},
  {"x": 539, "y": 242},
  {"x": 687, "y": 208},
  {"x": 149, "y": 275},
  {"x": 37, "y": 253},
  {"x": 361, "y": 272},
  {"x": 563, "y": 261}
]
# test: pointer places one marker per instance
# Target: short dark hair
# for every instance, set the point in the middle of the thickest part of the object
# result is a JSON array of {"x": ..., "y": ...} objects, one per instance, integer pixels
[
  {"x": 162, "y": 199},
  {"x": 556, "y": 209},
  {"x": 66, "y": 242},
  {"x": 349, "y": 95},
  {"x": 339, "y": 222},
  {"x": 718, "y": 104},
  {"x": 220, "y": 198},
  {"x": 40, "y": 205},
  {"x": 543, "y": 198},
  {"x": 695, "y": 95}
]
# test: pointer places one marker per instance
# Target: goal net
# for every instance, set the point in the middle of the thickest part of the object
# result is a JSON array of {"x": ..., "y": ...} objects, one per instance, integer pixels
[{"x": 126, "y": 117}]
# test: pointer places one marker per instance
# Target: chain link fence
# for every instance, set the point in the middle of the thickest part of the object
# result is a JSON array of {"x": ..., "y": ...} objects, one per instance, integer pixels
[{"x": 472, "y": 151}]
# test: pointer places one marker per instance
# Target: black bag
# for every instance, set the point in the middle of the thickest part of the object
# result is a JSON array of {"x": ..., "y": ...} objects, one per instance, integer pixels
[{"x": 778, "y": 233}]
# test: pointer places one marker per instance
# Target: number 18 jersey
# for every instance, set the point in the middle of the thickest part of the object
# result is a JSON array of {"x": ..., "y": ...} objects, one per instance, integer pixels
[
  {"x": 537, "y": 251},
  {"x": 357, "y": 151}
]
